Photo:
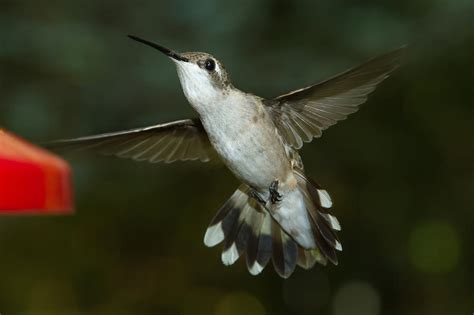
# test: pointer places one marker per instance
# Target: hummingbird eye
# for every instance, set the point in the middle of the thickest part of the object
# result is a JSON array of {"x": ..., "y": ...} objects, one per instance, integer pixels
[{"x": 210, "y": 64}]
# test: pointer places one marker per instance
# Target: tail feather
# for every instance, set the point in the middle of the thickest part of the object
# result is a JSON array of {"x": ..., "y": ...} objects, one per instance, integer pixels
[
  {"x": 225, "y": 217},
  {"x": 308, "y": 258},
  {"x": 328, "y": 234},
  {"x": 326, "y": 239},
  {"x": 323, "y": 222},
  {"x": 324, "y": 247},
  {"x": 255, "y": 221},
  {"x": 265, "y": 243},
  {"x": 332, "y": 220},
  {"x": 236, "y": 238},
  {"x": 246, "y": 227},
  {"x": 285, "y": 252}
]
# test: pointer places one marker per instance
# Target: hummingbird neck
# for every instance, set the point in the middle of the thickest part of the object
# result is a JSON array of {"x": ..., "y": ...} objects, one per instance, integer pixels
[
  {"x": 206, "y": 98},
  {"x": 204, "y": 90},
  {"x": 209, "y": 100}
]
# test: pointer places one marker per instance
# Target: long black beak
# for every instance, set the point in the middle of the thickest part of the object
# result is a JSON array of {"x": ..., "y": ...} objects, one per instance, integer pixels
[{"x": 166, "y": 51}]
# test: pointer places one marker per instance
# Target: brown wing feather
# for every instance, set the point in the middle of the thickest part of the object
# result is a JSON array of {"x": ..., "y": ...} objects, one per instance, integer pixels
[
  {"x": 303, "y": 114},
  {"x": 179, "y": 140}
]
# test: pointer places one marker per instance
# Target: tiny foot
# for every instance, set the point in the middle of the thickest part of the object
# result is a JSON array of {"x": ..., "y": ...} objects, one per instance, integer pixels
[
  {"x": 255, "y": 195},
  {"x": 275, "y": 196}
]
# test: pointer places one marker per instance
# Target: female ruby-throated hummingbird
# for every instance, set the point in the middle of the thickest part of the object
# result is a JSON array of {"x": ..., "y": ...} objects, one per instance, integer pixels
[{"x": 277, "y": 213}]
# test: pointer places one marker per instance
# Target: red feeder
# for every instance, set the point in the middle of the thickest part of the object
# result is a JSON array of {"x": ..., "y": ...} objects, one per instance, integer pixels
[{"x": 32, "y": 180}]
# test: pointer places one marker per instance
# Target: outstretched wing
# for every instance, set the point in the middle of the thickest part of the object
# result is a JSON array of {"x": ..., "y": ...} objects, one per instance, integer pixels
[
  {"x": 179, "y": 140},
  {"x": 303, "y": 114}
]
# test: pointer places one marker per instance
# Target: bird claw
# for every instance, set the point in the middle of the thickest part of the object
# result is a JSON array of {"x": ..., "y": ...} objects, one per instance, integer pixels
[
  {"x": 255, "y": 195},
  {"x": 275, "y": 196}
]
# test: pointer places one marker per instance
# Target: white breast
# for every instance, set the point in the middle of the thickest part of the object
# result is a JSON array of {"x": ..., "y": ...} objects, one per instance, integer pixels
[{"x": 245, "y": 138}]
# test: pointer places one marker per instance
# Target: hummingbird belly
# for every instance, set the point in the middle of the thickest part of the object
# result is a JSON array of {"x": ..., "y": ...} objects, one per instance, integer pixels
[{"x": 249, "y": 145}]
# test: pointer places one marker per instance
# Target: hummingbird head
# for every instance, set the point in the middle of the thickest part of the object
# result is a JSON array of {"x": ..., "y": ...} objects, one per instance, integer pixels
[{"x": 203, "y": 77}]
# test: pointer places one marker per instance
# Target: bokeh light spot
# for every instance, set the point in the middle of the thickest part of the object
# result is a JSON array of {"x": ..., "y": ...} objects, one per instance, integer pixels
[
  {"x": 200, "y": 300},
  {"x": 356, "y": 298},
  {"x": 434, "y": 247},
  {"x": 238, "y": 303},
  {"x": 306, "y": 292}
]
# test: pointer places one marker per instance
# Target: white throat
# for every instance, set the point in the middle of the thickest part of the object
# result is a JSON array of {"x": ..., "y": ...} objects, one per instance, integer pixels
[{"x": 198, "y": 87}]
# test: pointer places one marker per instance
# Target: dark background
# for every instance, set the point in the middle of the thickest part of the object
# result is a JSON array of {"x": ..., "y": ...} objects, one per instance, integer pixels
[{"x": 400, "y": 171}]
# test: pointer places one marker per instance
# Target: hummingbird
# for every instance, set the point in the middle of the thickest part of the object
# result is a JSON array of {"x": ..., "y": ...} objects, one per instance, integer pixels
[{"x": 277, "y": 213}]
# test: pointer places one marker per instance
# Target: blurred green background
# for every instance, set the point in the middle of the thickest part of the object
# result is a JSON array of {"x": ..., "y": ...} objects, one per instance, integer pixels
[{"x": 400, "y": 171}]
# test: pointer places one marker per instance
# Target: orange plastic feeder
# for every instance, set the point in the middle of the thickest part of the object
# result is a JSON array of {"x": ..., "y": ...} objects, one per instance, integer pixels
[{"x": 32, "y": 180}]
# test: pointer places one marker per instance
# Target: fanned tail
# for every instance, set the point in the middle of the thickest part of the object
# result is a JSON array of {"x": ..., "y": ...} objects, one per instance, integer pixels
[{"x": 245, "y": 227}]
